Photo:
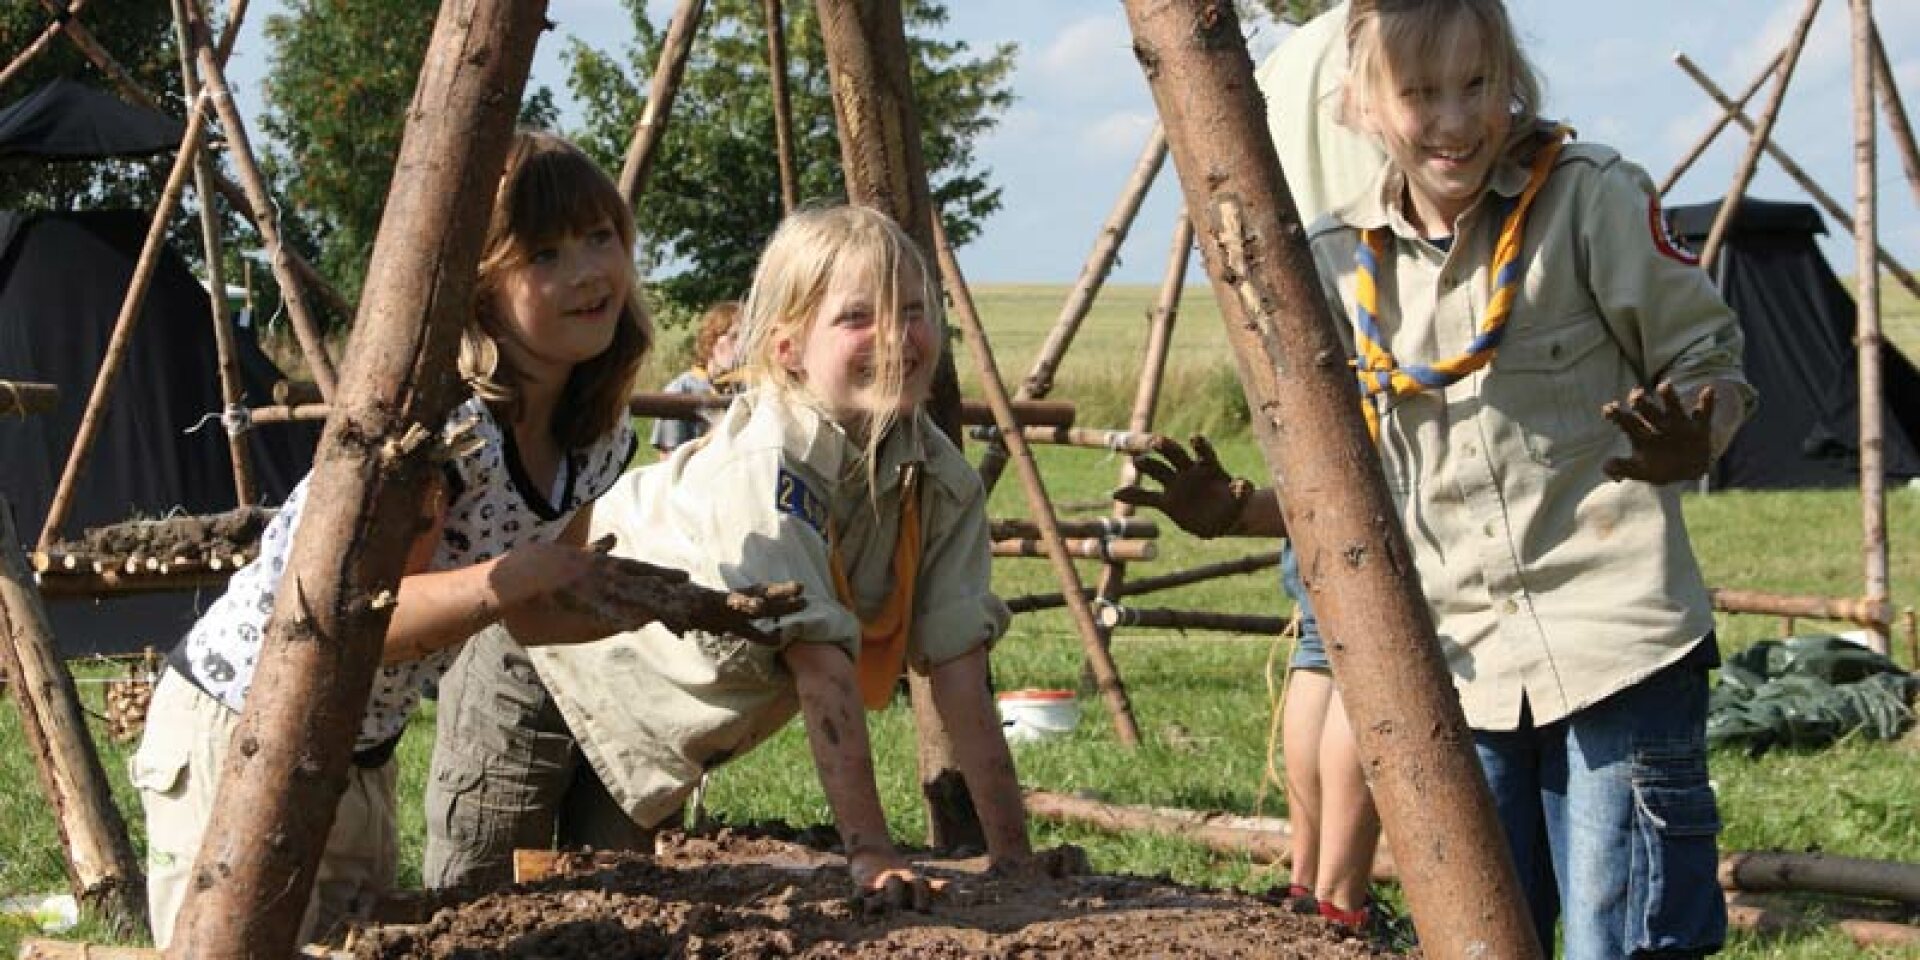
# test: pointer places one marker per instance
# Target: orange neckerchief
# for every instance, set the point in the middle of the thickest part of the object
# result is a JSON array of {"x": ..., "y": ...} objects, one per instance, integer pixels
[{"x": 883, "y": 639}]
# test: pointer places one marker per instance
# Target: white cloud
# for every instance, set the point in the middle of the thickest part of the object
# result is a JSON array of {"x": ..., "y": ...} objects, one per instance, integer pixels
[
  {"x": 1120, "y": 134},
  {"x": 1087, "y": 58}
]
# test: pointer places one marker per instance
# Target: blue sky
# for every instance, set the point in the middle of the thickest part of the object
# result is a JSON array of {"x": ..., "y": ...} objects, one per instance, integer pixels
[{"x": 1065, "y": 149}]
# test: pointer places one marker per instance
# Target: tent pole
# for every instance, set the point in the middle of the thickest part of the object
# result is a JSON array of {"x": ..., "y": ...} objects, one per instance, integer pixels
[
  {"x": 666, "y": 83},
  {"x": 1726, "y": 116},
  {"x": 782, "y": 106},
  {"x": 1827, "y": 203},
  {"x": 41, "y": 42},
  {"x": 1743, "y": 174},
  {"x": 1873, "y": 502},
  {"x": 1896, "y": 113},
  {"x": 243, "y": 489}
]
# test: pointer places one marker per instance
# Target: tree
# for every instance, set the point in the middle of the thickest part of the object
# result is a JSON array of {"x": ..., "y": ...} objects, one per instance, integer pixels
[
  {"x": 714, "y": 193},
  {"x": 140, "y": 38},
  {"x": 341, "y": 75}
]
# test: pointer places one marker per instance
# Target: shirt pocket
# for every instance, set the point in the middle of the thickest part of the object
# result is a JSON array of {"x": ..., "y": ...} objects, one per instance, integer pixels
[
  {"x": 159, "y": 765},
  {"x": 1551, "y": 382}
]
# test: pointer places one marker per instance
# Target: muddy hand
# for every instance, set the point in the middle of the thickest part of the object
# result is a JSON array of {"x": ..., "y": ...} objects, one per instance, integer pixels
[
  {"x": 734, "y": 613},
  {"x": 895, "y": 890},
  {"x": 1195, "y": 491},
  {"x": 1670, "y": 442}
]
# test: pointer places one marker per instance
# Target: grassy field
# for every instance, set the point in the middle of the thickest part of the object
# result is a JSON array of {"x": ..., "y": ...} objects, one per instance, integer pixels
[{"x": 1203, "y": 701}]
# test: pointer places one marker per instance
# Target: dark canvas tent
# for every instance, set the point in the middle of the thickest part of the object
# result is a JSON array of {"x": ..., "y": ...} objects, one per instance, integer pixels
[
  {"x": 62, "y": 279},
  {"x": 1799, "y": 320}
]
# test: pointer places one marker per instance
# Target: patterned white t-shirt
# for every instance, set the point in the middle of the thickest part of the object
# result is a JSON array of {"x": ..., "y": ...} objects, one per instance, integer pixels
[{"x": 492, "y": 507}]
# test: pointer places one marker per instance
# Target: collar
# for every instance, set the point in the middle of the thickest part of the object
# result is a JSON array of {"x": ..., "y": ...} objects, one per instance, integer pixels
[{"x": 1383, "y": 204}]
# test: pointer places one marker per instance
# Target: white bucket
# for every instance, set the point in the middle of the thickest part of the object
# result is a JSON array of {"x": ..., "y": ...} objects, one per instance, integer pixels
[{"x": 1028, "y": 715}]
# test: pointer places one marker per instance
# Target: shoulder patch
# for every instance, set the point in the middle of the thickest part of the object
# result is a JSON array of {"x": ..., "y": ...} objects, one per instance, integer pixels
[
  {"x": 1662, "y": 239},
  {"x": 791, "y": 495}
]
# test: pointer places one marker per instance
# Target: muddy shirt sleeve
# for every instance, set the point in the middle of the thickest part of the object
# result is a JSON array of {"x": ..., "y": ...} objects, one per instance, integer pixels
[
  {"x": 956, "y": 610},
  {"x": 1661, "y": 307},
  {"x": 760, "y": 516}
]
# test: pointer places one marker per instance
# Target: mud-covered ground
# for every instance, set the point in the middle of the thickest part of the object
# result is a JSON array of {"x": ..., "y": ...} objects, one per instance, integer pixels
[{"x": 752, "y": 894}]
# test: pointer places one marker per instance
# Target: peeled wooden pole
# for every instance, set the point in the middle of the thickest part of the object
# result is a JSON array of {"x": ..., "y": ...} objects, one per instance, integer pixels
[
  {"x": 1087, "y": 548},
  {"x": 1827, "y": 203},
  {"x": 1726, "y": 116},
  {"x": 1093, "y": 275},
  {"x": 107, "y": 377},
  {"x": 243, "y": 489},
  {"x": 101, "y": 868},
  {"x": 1896, "y": 112},
  {"x": 41, "y": 42},
  {"x": 1865, "y": 611},
  {"x": 293, "y": 744},
  {"x": 1358, "y": 567},
  {"x": 1123, "y": 528},
  {"x": 1743, "y": 174},
  {"x": 1866, "y": 336},
  {"x": 683, "y": 406},
  {"x": 880, "y": 158},
  {"x": 666, "y": 83},
  {"x": 1746, "y": 912},
  {"x": 1106, "y": 677},
  {"x": 19, "y": 398},
  {"x": 782, "y": 105}
]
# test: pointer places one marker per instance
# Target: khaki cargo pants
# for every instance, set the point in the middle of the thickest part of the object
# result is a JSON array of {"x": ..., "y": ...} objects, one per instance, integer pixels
[
  {"x": 507, "y": 773},
  {"x": 176, "y": 770}
]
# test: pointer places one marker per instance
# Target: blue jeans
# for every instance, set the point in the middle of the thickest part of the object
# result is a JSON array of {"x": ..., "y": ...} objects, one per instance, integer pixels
[
  {"x": 1609, "y": 812},
  {"x": 1311, "y": 652}
]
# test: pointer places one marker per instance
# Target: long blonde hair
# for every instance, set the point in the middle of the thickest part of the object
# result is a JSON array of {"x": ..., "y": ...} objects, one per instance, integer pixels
[
  {"x": 795, "y": 273},
  {"x": 1426, "y": 29},
  {"x": 549, "y": 189}
]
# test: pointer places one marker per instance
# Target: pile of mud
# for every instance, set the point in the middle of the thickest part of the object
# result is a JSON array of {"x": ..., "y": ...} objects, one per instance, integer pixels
[{"x": 752, "y": 894}]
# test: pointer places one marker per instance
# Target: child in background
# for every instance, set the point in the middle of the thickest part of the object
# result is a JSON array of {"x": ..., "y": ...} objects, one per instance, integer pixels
[
  {"x": 1551, "y": 549},
  {"x": 824, "y": 472},
  {"x": 713, "y": 357},
  {"x": 549, "y": 353}
]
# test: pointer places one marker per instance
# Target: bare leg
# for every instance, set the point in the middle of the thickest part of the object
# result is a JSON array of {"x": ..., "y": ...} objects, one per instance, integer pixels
[
  {"x": 1302, "y": 728},
  {"x": 1349, "y": 824}
]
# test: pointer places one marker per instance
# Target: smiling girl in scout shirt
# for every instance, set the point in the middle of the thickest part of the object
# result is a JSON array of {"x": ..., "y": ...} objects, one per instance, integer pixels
[
  {"x": 824, "y": 472},
  {"x": 1506, "y": 290}
]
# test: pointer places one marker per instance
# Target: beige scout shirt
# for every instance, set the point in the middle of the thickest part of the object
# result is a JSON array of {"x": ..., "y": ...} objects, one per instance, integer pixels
[
  {"x": 750, "y": 505},
  {"x": 1547, "y": 581},
  {"x": 1325, "y": 162}
]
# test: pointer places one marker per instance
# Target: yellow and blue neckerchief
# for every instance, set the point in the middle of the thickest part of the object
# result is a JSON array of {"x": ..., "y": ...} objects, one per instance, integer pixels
[{"x": 1376, "y": 369}]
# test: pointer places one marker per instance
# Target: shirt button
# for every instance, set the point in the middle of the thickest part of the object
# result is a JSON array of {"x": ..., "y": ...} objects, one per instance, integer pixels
[
  {"x": 1470, "y": 450},
  {"x": 1490, "y": 529},
  {"x": 1507, "y": 606}
]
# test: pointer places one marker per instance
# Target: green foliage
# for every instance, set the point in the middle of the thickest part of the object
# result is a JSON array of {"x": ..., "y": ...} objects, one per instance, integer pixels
[
  {"x": 139, "y": 36},
  {"x": 340, "y": 78},
  {"x": 714, "y": 190}
]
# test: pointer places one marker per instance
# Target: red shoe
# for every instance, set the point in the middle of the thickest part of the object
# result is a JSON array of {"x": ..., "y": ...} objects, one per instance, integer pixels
[{"x": 1355, "y": 919}]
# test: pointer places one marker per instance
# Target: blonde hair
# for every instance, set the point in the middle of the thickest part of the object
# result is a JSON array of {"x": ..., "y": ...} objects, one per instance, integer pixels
[
  {"x": 549, "y": 189},
  {"x": 797, "y": 269},
  {"x": 1379, "y": 30}
]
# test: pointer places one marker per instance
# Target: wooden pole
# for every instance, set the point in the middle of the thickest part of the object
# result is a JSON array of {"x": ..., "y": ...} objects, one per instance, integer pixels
[
  {"x": 19, "y": 398},
  {"x": 91, "y": 48},
  {"x": 782, "y": 105},
  {"x": 41, "y": 42},
  {"x": 278, "y": 793},
  {"x": 1123, "y": 528},
  {"x": 1112, "y": 617},
  {"x": 1832, "y": 207},
  {"x": 106, "y": 378},
  {"x": 1114, "y": 441},
  {"x": 1107, "y": 678},
  {"x": 666, "y": 83},
  {"x": 243, "y": 490},
  {"x": 1745, "y": 912},
  {"x": 1106, "y": 249},
  {"x": 1049, "y": 414},
  {"x": 1212, "y": 571},
  {"x": 1867, "y": 339},
  {"x": 1413, "y": 737},
  {"x": 1743, "y": 174},
  {"x": 1726, "y": 116},
  {"x": 880, "y": 157},
  {"x": 101, "y": 868},
  {"x": 1088, "y": 548},
  {"x": 1763, "y": 871},
  {"x": 1895, "y": 110},
  {"x": 1868, "y": 612}
]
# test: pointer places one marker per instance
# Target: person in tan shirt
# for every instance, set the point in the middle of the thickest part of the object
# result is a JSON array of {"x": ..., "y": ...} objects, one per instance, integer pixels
[{"x": 1536, "y": 452}]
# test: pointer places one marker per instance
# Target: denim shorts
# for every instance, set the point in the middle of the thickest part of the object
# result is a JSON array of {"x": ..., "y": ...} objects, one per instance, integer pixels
[
  {"x": 1610, "y": 811},
  {"x": 1311, "y": 652}
]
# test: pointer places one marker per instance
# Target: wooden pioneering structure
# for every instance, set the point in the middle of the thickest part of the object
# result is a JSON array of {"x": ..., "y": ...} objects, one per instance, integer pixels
[{"x": 1873, "y": 82}]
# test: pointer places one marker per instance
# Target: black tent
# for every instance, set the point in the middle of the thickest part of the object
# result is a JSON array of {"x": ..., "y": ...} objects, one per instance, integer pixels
[
  {"x": 62, "y": 279},
  {"x": 1799, "y": 320}
]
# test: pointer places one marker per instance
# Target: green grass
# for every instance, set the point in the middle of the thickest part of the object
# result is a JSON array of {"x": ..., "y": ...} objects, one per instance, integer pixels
[{"x": 1201, "y": 700}]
